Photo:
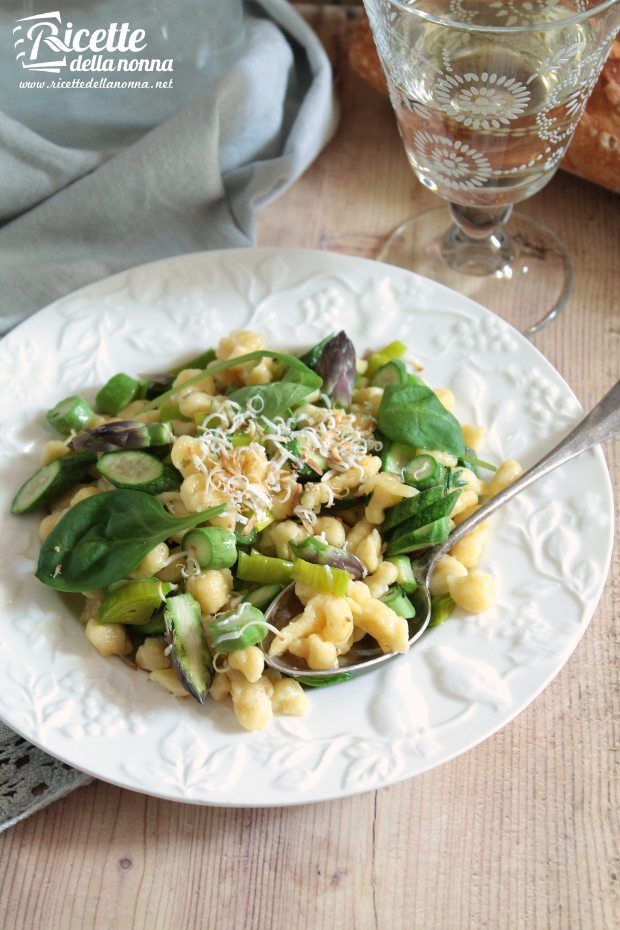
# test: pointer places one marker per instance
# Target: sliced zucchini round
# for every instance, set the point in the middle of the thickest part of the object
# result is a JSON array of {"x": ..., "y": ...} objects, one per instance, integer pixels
[
  {"x": 393, "y": 372},
  {"x": 423, "y": 471},
  {"x": 211, "y": 547},
  {"x": 138, "y": 471},
  {"x": 50, "y": 482}
]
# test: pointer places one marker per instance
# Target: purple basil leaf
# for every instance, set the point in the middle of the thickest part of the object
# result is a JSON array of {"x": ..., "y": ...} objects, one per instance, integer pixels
[
  {"x": 124, "y": 434},
  {"x": 336, "y": 366}
]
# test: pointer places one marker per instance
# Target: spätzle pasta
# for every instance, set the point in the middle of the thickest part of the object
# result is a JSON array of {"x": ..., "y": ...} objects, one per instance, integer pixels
[{"x": 211, "y": 489}]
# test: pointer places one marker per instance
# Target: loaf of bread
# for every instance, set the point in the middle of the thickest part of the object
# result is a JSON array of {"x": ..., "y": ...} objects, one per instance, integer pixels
[{"x": 594, "y": 152}]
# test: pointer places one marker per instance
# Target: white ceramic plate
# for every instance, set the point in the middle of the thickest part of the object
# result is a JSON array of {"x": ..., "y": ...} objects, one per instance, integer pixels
[{"x": 549, "y": 550}]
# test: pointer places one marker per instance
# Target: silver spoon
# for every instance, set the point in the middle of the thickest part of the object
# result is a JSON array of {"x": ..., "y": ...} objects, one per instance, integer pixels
[{"x": 598, "y": 426}]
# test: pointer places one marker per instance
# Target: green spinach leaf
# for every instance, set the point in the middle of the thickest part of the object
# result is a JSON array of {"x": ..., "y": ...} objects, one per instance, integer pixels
[
  {"x": 104, "y": 538},
  {"x": 414, "y": 415},
  {"x": 298, "y": 376},
  {"x": 278, "y": 398},
  {"x": 295, "y": 370},
  {"x": 311, "y": 357}
]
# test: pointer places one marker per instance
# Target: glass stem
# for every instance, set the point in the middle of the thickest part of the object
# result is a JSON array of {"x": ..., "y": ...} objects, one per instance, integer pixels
[{"x": 477, "y": 243}]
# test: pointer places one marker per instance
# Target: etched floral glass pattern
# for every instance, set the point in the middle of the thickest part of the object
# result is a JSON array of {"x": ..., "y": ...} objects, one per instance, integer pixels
[{"x": 488, "y": 95}]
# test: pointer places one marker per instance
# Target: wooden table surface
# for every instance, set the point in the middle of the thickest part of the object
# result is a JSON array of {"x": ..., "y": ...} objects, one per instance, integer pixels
[{"x": 516, "y": 834}]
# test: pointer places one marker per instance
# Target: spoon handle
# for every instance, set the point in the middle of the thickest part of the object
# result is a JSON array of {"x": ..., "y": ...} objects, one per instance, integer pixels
[{"x": 599, "y": 425}]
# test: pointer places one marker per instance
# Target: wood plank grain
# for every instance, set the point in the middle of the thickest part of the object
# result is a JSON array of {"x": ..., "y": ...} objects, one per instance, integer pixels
[{"x": 517, "y": 834}]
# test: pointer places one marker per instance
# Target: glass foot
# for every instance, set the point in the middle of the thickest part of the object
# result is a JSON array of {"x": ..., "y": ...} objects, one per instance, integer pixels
[{"x": 521, "y": 271}]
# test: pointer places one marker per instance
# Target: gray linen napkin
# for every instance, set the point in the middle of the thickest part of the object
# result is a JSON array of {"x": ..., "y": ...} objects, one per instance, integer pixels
[{"x": 195, "y": 182}]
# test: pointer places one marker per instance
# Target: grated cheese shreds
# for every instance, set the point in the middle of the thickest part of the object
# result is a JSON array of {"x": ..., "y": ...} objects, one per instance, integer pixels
[
  {"x": 327, "y": 440},
  {"x": 307, "y": 517}
]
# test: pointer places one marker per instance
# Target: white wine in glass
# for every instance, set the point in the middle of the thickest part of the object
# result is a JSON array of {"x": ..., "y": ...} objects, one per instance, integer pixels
[{"x": 487, "y": 96}]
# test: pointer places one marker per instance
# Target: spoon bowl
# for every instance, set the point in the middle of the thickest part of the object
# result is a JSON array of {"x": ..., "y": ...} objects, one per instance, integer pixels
[
  {"x": 363, "y": 657},
  {"x": 599, "y": 425}
]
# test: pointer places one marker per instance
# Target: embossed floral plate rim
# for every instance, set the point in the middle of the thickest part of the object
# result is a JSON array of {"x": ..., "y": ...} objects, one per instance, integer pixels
[{"x": 550, "y": 549}]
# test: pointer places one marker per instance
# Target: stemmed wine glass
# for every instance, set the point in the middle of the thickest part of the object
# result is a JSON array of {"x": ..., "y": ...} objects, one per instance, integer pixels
[{"x": 487, "y": 95}]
